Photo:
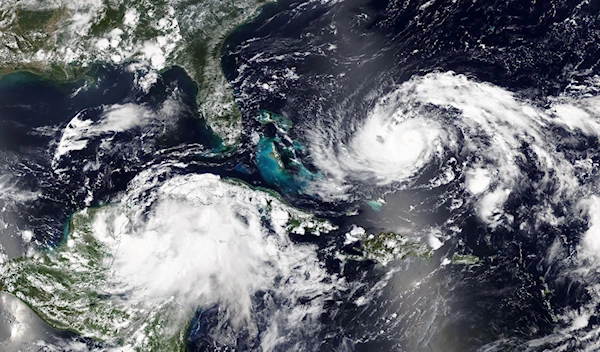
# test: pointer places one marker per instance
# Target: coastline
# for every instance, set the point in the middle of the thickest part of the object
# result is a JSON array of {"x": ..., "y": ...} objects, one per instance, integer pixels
[{"x": 184, "y": 38}]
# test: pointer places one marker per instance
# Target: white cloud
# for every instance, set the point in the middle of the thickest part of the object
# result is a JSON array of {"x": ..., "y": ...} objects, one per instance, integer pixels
[
  {"x": 590, "y": 241},
  {"x": 131, "y": 18},
  {"x": 115, "y": 118},
  {"x": 429, "y": 119},
  {"x": 205, "y": 242},
  {"x": 490, "y": 205},
  {"x": 477, "y": 180}
]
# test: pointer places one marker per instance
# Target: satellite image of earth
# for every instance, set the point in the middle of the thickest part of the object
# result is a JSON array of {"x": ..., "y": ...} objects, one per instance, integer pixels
[{"x": 299, "y": 175}]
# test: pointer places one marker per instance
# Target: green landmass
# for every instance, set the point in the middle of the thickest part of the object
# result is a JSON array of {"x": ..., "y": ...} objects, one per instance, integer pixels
[
  {"x": 464, "y": 259},
  {"x": 385, "y": 247},
  {"x": 388, "y": 246},
  {"x": 66, "y": 287},
  {"x": 61, "y": 40},
  {"x": 75, "y": 287}
]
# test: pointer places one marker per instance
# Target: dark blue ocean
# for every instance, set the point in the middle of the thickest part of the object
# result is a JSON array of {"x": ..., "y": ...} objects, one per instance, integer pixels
[{"x": 316, "y": 57}]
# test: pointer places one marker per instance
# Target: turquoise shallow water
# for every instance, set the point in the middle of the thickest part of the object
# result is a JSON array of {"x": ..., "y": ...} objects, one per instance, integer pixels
[
  {"x": 375, "y": 205},
  {"x": 271, "y": 169},
  {"x": 277, "y": 156},
  {"x": 327, "y": 59}
]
